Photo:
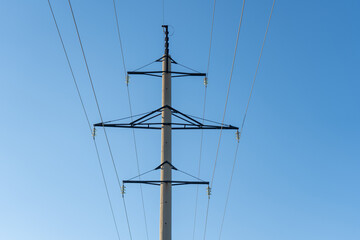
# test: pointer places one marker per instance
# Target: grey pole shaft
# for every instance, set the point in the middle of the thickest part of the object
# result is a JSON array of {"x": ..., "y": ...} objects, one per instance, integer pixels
[{"x": 165, "y": 188}]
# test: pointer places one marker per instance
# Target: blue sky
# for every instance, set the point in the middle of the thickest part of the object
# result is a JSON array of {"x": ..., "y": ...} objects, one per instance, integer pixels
[{"x": 297, "y": 174}]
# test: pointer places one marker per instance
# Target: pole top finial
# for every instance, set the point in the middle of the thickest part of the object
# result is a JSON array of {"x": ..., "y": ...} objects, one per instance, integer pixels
[{"x": 166, "y": 31}]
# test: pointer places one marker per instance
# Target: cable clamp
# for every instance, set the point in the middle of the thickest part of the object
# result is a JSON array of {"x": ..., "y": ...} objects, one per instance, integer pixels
[
  {"x": 209, "y": 191},
  {"x": 93, "y": 133},
  {"x": 127, "y": 79},
  {"x": 238, "y": 135},
  {"x": 205, "y": 81},
  {"x": 123, "y": 188}
]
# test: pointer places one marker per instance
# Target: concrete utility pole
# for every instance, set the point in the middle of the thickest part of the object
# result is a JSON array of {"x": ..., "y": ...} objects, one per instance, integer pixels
[
  {"x": 166, "y": 186},
  {"x": 181, "y": 122}
]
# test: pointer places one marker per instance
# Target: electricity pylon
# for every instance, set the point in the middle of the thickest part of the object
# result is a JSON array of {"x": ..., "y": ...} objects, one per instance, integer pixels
[{"x": 184, "y": 122}]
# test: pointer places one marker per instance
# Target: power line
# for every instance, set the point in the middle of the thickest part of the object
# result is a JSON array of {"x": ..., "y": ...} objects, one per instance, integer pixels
[
  {"x": 119, "y": 36},
  {"x": 199, "y": 163},
  {"x": 131, "y": 113},
  {"x": 138, "y": 166},
  {"x": 106, "y": 188},
  {"x": 243, "y": 122},
  {"x": 227, "y": 98},
  {"x": 203, "y": 116},
  {"x": 163, "y": 12},
  {"x": 228, "y": 192},
  {"x": 211, "y": 35},
  {"x": 99, "y": 111},
  {"x": 87, "y": 119},
  {"x": 228, "y": 92}
]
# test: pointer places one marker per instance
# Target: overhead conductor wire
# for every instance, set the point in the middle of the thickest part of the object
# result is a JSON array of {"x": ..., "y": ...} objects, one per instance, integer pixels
[
  {"x": 223, "y": 118},
  {"x": 87, "y": 119},
  {"x": 101, "y": 118},
  {"x": 131, "y": 114},
  {"x": 203, "y": 116},
  {"x": 244, "y": 118},
  {"x": 163, "y": 12}
]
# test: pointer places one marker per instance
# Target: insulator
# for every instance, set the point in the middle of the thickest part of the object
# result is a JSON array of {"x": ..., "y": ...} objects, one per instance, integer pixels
[
  {"x": 123, "y": 190},
  {"x": 209, "y": 191},
  {"x": 127, "y": 79},
  {"x": 238, "y": 135},
  {"x": 93, "y": 133},
  {"x": 205, "y": 81}
]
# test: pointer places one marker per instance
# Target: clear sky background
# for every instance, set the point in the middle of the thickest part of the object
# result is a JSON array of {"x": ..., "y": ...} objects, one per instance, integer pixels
[{"x": 297, "y": 175}]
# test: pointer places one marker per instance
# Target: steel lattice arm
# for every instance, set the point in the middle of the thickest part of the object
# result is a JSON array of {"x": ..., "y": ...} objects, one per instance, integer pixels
[
  {"x": 147, "y": 121},
  {"x": 176, "y": 74}
]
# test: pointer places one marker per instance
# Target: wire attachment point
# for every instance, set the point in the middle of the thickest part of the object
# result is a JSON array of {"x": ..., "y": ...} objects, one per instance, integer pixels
[
  {"x": 238, "y": 135},
  {"x": 93, "y": 133},
  {"x": 127, "y": 79},
  {"x": 205, "y": 81},
  {"x": 209, "y": 191},
  {"x": 123, "y": 188}
]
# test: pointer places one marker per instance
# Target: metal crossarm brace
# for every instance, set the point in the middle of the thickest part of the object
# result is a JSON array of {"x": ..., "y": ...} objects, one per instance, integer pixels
[
  {"x": 153, "y": 73},
  {"x": 190, "y": 123},
  {"x": 175, "y": 126},
  {"x": 172, "y": 73},
  {"x": 162, "y": 58},
  {"x": 166, "y": 162},
  {"x": 173, "y": 183}
]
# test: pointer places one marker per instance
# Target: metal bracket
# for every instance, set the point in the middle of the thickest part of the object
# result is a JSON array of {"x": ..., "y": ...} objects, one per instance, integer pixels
[
  {"x": 173, "y": 73},
  {"x": 159, "y": 73},
  {"x": 173, "y": 183},
  {"x": 186, "y": 122},
  {"x": 166, "y": 162},
  {"x": 158, "y": 183}
]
